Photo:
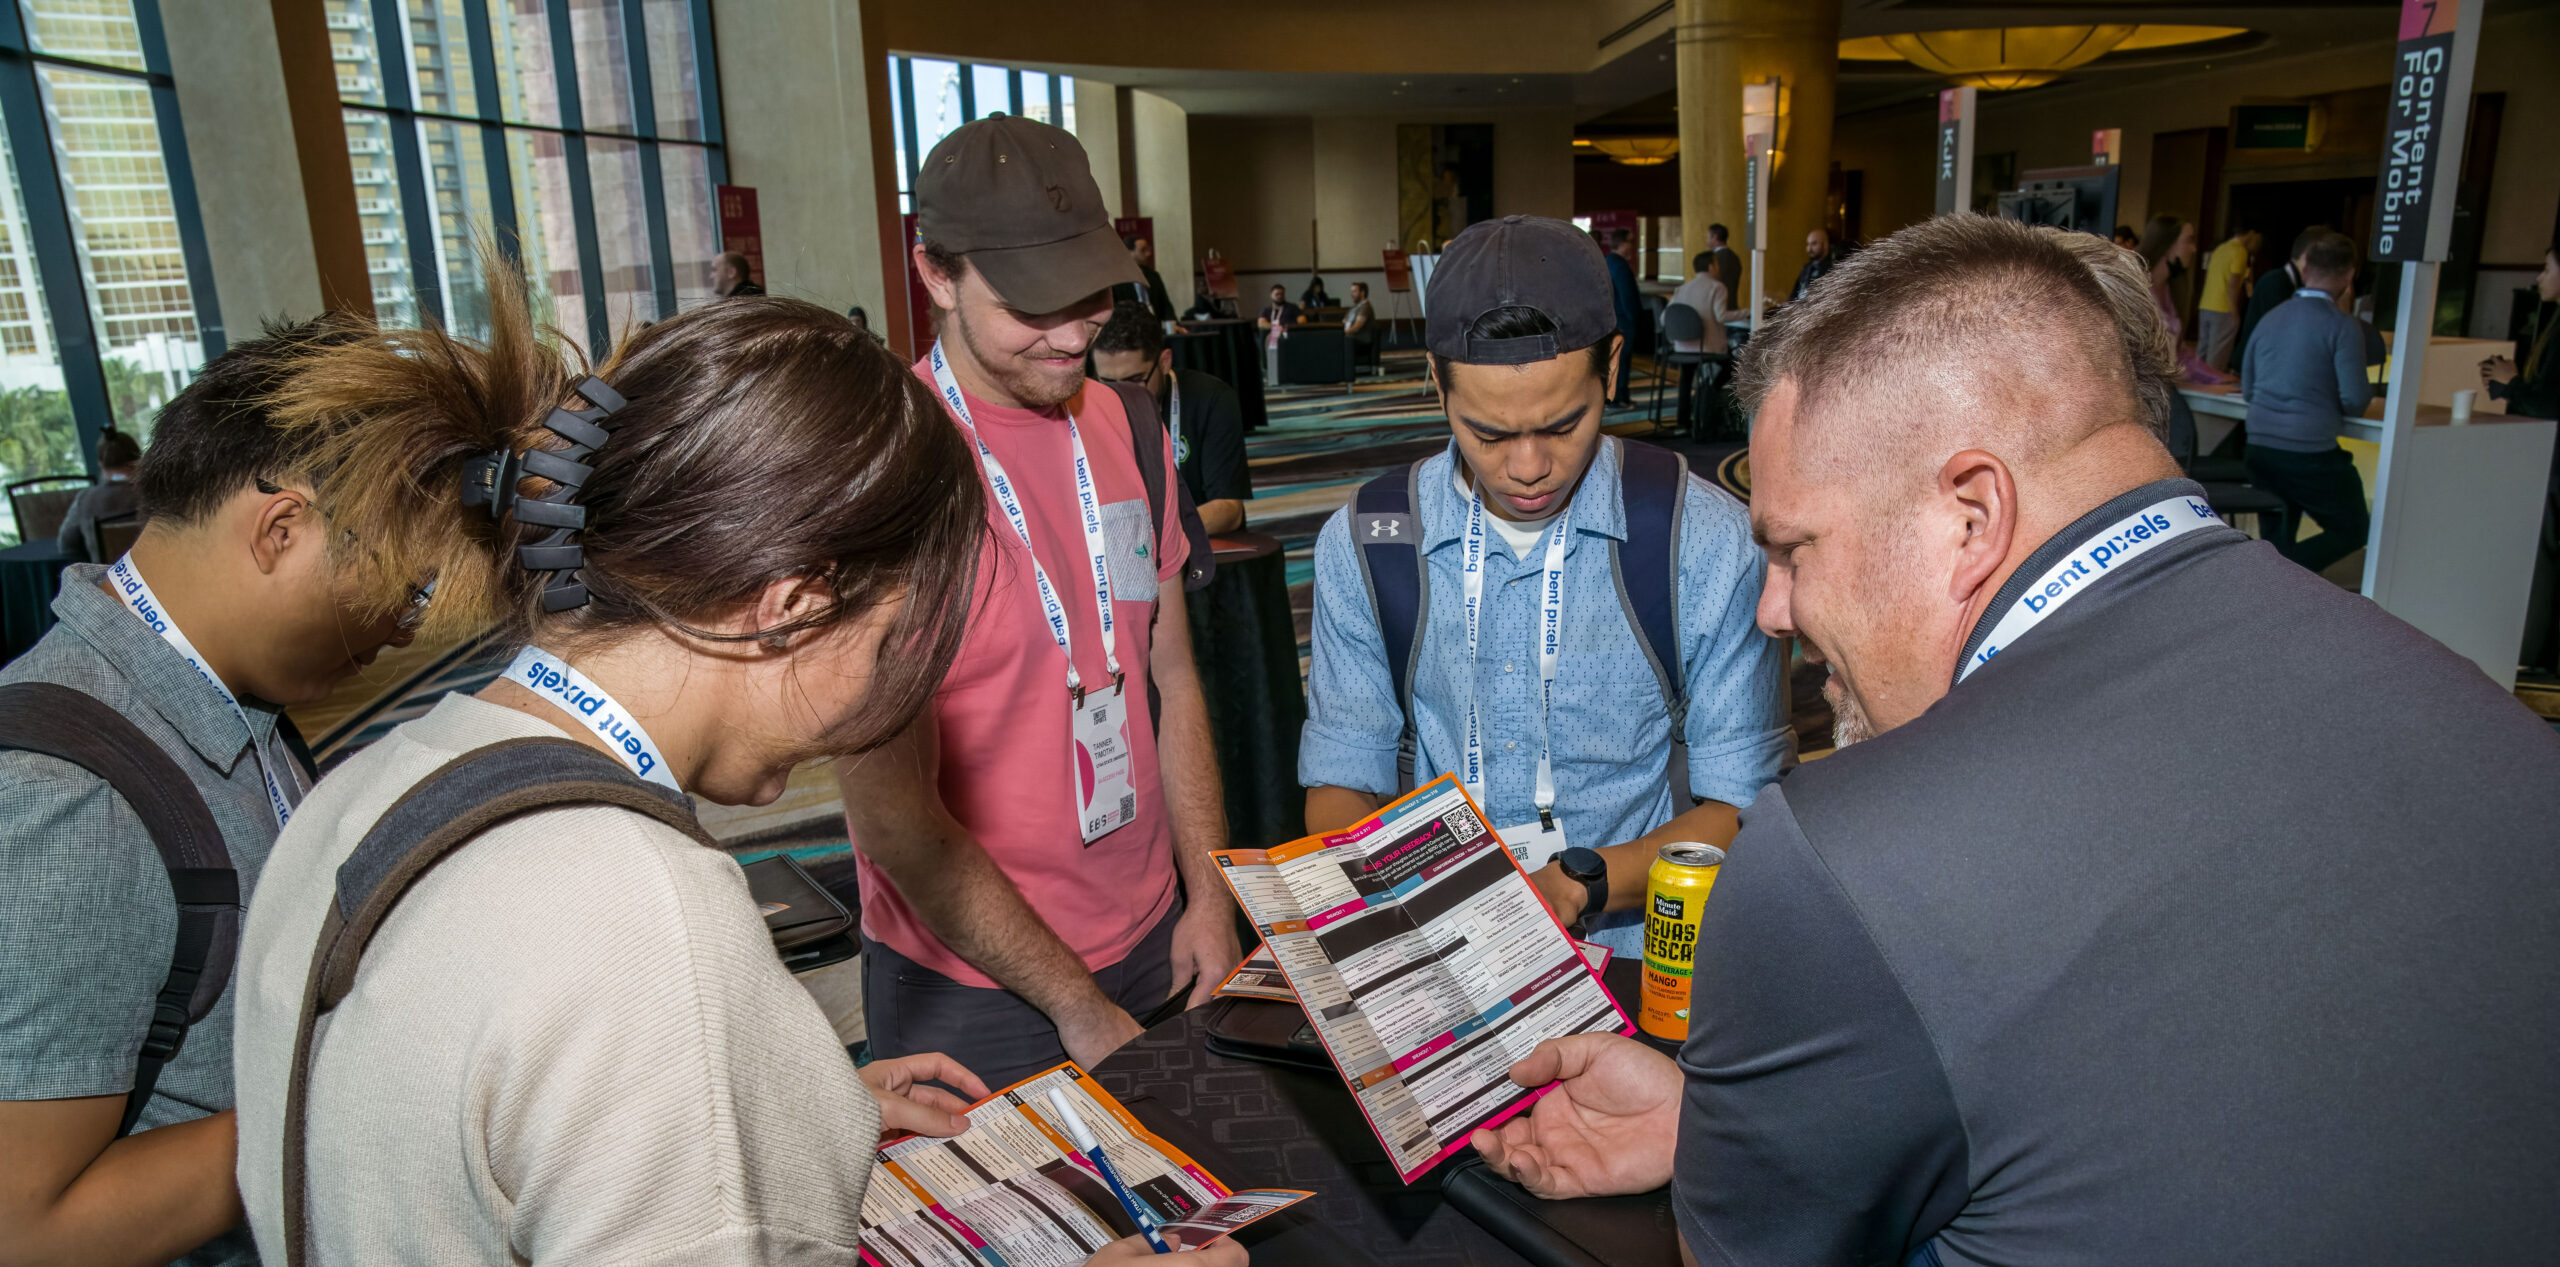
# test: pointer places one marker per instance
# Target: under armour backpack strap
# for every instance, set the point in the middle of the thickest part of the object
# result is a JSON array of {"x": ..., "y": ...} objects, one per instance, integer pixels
[
  {"x": 1653, "y": 485},
  {"x": 1386, "y": 531},
  {"x": 437, "y": 816},
  {"x": 68, "y": 725}
]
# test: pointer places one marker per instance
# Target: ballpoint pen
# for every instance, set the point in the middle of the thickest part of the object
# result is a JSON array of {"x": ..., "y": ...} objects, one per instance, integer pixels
[{"x": 1082, "y": 1135}]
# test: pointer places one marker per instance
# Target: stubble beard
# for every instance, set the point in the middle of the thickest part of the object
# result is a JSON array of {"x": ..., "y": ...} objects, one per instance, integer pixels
[
  {"x": 1849, "y": 723},
  {"x": 1028, "y": 387}
]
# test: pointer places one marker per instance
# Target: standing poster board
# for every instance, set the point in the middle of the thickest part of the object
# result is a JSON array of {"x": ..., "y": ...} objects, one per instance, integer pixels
[
  {"x": 1133, "y": 228},
  {"x": 2430, "y": 94},
  {"x": 740, "y": 228},
  {"x": 1220, "y": 273},
  {"x": 1399, "y": 273}
]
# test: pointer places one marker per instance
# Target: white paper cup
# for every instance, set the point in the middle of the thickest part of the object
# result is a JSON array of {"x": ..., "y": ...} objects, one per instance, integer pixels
[{"x": 2462, "y": 404}]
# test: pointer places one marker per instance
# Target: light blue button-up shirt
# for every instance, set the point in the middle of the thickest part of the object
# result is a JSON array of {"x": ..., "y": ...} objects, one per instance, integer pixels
[{"x": 1611, "y": 729}]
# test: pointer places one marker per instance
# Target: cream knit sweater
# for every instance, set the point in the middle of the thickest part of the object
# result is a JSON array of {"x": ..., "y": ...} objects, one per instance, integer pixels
[{"x": 570, "y": 1043}]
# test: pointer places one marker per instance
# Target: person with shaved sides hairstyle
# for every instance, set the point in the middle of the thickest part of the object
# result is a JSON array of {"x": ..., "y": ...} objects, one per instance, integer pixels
[{"x": 2057, "y": 960}]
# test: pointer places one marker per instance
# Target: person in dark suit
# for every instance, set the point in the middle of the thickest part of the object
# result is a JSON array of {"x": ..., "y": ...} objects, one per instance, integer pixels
[
  {"x": 1148, "y": 293},
  {"x": 1622, "y": 279},
  {"x": 1728, "y": 265},
  {"x": 1821, "y": 255}
]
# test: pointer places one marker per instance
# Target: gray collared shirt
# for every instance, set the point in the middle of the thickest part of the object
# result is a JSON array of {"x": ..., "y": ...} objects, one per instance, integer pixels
[{"x": 87, "y": 921}]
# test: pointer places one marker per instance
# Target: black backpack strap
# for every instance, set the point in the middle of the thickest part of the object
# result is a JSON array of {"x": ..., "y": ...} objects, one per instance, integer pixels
[
  {"x": 1386, "y": 533},
  {"x": 68, "y": 725},
  {"x": 438, "y": 815},
  {"x": 300, "y": 748},
  {"x": 1653, "y": 483},
  {"x": 1146, "y": 437}
]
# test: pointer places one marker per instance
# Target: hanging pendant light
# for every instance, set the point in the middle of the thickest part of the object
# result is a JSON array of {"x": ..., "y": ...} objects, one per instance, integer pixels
[
  {"x": 1638, "y": 151},
  {"x": 1998, "y": 59}
]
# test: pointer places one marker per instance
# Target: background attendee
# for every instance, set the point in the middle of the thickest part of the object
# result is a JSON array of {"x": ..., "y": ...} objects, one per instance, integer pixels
[
  {"x": 731, "y": 276},
  {"x": 1521, "y": 331},
  {"x": 1705, "y": 294},
  {"x": 2274, "y": 288},
  {"x": 2169, "y": 251},
  {"x": 2226, "y": 286},
  {"x": 1314, "y": 295},
  {"x": 2304, "y": 380},
  {"x": 1728, "y": 264},
  {"x": 114, "y": 494},
  {"x": 1922, "y": 1032},
  {"x": 1629, "y": 303},
  {"x": 2127, "y": 238},
  {"x": 2534, "y": 392},
  {"x": 1015, "y": 911},
  {"x": 1203, "y": 413},
  {"x": 1148, "y": 291},
  {"x": 1359, "y": 321},
  {"x": 572, "y": 1041},
  {"x": 234, "y": 558},
  {"x": 1821, "y": 255},
  {"x": 1279, "y": 313}
]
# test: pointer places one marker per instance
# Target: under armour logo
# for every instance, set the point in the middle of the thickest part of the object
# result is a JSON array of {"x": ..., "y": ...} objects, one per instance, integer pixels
[
  {"x": 1057, "y": 197},
  {"x": 1386, "y": 528}
]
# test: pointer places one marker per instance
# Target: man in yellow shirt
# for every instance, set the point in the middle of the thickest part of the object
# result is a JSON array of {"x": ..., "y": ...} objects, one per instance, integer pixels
[{"x": 2226, "y": 291}]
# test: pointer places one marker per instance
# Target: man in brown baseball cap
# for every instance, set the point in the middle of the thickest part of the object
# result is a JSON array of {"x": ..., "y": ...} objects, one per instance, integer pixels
[{"x": 1035, "y": 854}]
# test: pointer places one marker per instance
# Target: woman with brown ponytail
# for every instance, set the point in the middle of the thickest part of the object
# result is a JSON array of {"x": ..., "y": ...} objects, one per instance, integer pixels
[{"x": 747, "y": 541}]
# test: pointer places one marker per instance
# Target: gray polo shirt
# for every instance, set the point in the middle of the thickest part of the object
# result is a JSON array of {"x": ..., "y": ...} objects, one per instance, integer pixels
[
  {"x": 87, "y": 920},
  {"x": 2123, "y": 953}
]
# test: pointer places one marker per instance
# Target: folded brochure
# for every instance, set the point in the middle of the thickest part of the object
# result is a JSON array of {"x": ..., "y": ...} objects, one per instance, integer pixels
[
  {"x": 1426, "y": 963},
  {"x": 1012, "y": 1191},
  {"x": 1259, "y": 976}
]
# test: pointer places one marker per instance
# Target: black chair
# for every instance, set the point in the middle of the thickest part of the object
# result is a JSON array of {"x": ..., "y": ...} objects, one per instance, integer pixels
[
  {"x": 109, "y": 538},
  {"x": 2226, "y": 480},
  {"x": 40, "y": 510}
]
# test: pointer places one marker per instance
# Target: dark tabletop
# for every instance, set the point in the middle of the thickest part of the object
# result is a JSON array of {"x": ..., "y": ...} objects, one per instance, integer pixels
[
  {"x": 30, "y": 575},
  {"x": 1273, "y": 1126}
]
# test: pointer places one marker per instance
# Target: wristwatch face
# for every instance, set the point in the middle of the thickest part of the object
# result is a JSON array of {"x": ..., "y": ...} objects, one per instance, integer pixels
[{"x": 1583, "y": 864}]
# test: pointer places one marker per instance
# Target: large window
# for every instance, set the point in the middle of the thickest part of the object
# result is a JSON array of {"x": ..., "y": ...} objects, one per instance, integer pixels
[
  {"x": 583, "y": 136},
  {"x": 106, "y": 292},
  {"x": 933, "y": 98}
]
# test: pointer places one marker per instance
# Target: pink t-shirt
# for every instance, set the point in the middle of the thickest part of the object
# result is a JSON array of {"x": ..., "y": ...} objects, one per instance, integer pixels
[{"x": 1007, "y": 771}]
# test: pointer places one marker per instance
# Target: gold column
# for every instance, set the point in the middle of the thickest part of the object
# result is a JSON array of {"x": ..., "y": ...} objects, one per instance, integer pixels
[{"x": 1719, "y": 45}]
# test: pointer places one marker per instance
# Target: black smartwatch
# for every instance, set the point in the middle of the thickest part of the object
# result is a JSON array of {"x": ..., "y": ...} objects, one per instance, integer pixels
[{"x": 1592, "y": 870}]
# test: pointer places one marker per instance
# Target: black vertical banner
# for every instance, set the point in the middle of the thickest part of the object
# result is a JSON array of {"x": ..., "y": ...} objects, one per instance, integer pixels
[
  {"x": 2408, "y": 223},
  {"x": 1954, "y": 164}
]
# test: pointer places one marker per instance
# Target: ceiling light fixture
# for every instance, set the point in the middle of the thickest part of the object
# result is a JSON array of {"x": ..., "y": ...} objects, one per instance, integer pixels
[
  {"x": 1637, "y": 151},
  {"x": 2000, "y": 59}
]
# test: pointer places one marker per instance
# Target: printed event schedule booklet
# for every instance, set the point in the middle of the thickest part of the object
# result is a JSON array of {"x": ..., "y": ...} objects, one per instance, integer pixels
[
  {"x": 1012, "y": 1191},
  {"x": 1259, "y": 976},
  {"x": 1425, "y": 961}
]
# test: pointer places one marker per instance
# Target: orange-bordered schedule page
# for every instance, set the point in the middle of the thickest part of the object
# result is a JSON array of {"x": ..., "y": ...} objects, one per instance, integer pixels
[
  {"x": 1428, "y": 965},
  {"x": 1012, "y": 1189}
]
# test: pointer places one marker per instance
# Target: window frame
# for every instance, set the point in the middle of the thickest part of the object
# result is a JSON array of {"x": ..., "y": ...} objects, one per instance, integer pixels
[
  {"x": 393, "y": 50},
  {"x": 51, "y": 239}
]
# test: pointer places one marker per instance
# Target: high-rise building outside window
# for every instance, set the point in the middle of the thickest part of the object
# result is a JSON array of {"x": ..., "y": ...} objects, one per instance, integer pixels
[
  {"x": 580, "y": 135},
  {"x": 106, "y": 291}
]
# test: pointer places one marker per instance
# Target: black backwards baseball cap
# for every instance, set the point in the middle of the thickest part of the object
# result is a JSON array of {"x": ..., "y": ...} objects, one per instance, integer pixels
[
  {"x": 1526, "y": 262},
  {"x": 1016, "y": 198}
]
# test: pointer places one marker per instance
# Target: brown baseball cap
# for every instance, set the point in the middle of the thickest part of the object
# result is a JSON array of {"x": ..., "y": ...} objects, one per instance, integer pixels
[{"x": 1016, "y": 198}]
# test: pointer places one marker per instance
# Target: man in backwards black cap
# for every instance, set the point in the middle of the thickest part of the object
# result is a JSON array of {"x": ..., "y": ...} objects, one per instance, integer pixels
[
  {"x": 1578, "y": 608},
  {"x": 1035, "y": 858}
]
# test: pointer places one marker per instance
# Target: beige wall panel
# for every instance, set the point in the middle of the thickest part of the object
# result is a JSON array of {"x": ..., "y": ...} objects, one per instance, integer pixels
[
  {"x": 248, "y": 176},
  {"x": 799, "y": 131}
]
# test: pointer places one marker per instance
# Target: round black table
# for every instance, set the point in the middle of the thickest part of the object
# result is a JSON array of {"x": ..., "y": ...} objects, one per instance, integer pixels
[
  {"x": 30, "y": 576},
  {"x": 1276, "y": 1126},
  {"x": 1245, "y": 642}
]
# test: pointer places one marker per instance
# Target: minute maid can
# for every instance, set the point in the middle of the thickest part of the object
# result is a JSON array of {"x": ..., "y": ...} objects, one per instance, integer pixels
[{"x": 1675, "y": 892}]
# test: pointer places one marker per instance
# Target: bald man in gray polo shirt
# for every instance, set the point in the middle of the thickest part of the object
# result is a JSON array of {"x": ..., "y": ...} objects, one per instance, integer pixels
[{"x": 2084, "y": 947}]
